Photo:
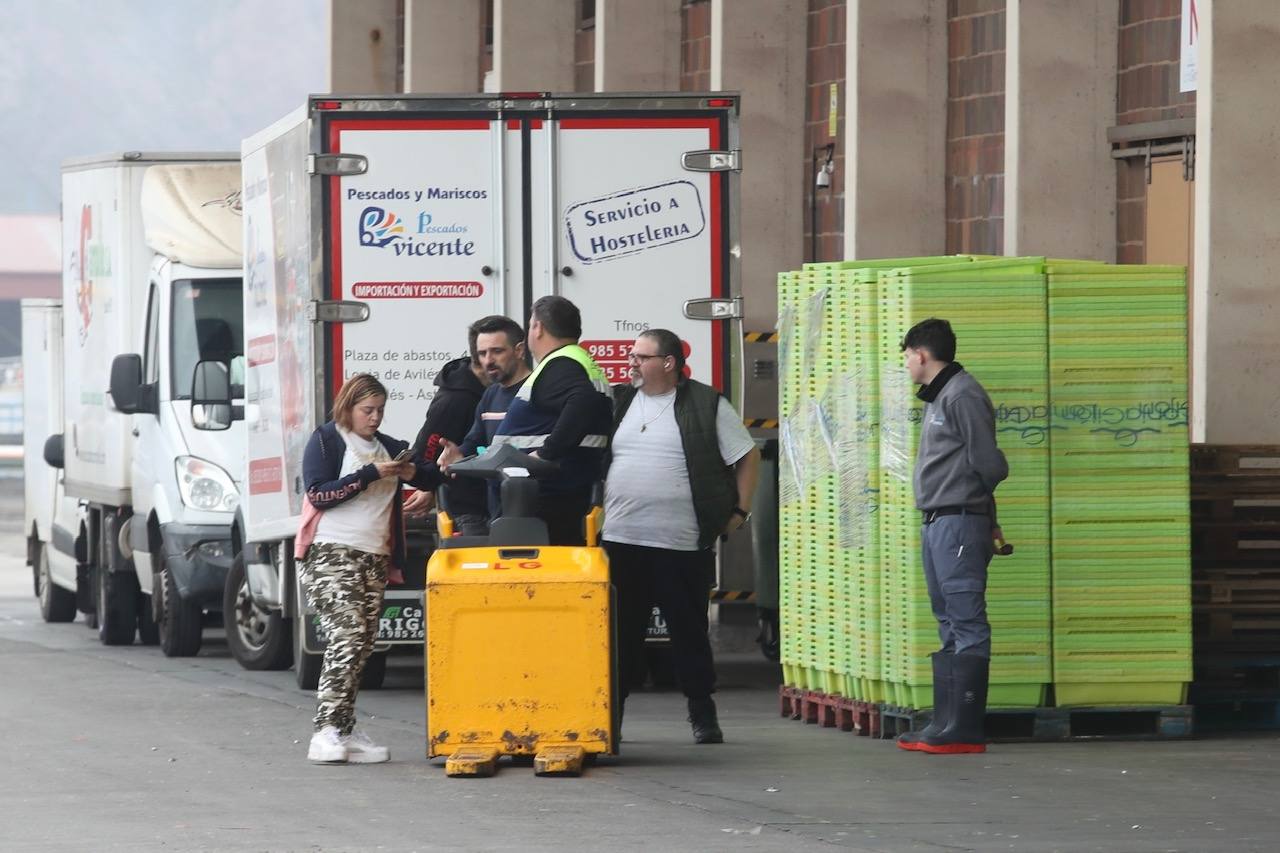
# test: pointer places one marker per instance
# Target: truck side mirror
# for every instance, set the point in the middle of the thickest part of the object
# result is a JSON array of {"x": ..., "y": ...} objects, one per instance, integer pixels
[
  {"x": 211, "y": 396},
  {"x": 53, "y": 451},
  {"x": 126, "y": 383}
]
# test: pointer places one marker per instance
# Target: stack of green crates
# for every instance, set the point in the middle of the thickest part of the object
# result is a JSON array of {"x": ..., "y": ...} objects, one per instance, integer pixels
[
  {"x": 815, "y": 655},
  {"x": 1121, "y": 545},
  {"x": 997, "y": 311},
  {"x": 1086, "y": 369},
  {"x": 829, "y": 533}
]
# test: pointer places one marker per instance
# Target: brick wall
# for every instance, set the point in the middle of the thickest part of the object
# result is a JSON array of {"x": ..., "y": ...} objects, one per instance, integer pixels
[
  {"x": 1147, "y": 82},
  {"x": 975, "y": 126},
  {"x": 1147, "y": 74},
  {"x": 695, "y": 46},
  {"x": 826, "y": 65}
]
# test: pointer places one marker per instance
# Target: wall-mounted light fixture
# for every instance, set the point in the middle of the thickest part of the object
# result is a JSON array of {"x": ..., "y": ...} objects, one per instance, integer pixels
[{"x": 821, "y": 173}]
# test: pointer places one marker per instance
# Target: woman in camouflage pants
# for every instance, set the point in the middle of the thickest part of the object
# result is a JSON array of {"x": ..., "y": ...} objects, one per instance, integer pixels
[{"x": 350, "y": 540}]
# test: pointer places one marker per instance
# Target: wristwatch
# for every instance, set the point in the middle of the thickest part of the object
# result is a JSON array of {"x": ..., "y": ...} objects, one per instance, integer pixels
[{"x": 739, "y": 511}]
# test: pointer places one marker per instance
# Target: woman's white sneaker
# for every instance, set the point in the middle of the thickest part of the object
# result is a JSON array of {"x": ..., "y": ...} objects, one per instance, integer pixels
[
  {"x": 327, "y": 747},
  {"x": 362, "y": 750}
]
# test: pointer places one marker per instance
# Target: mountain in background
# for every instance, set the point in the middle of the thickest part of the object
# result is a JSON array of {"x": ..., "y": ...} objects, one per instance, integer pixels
[{"x": 79, "y": 77}]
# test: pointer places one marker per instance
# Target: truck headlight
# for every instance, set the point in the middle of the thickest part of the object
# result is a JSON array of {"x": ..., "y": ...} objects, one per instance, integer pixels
[{"x": 204, "y": 485}]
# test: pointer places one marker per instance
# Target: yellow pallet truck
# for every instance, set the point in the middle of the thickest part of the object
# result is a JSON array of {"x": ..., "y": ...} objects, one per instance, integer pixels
[{"x": 519, "y": 636}]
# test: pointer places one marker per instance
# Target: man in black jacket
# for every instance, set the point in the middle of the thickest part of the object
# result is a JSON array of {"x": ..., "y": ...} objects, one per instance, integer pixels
[{"x": 460, "y": 384}]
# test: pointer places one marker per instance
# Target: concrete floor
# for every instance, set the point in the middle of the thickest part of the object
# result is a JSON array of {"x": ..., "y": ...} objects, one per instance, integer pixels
[{"x": 123, "y": 749}]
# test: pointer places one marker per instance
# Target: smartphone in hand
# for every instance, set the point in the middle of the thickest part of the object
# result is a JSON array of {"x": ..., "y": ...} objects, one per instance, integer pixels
[{"x": 404, "y": 455}]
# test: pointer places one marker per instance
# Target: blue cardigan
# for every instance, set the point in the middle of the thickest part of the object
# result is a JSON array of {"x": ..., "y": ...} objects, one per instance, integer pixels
[{"x": 322, "y": 467}]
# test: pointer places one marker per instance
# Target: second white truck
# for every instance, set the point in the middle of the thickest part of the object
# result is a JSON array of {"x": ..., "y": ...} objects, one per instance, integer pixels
[{"x": 151, "y": 290}]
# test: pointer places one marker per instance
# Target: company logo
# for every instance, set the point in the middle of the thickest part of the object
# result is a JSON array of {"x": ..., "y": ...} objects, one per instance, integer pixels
[
  {"x": 84, "y": 284},
  {"x": 91, "y": 261},
  {"x": 379, "y": 227}
]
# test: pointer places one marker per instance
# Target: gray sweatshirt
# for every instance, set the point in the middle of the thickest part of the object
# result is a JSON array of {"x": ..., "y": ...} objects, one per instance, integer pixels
[{"x": 958, "y": 464}]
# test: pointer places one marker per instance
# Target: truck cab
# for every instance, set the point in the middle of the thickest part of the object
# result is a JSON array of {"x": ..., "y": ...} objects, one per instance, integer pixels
[{"x": 184, "y": 492}]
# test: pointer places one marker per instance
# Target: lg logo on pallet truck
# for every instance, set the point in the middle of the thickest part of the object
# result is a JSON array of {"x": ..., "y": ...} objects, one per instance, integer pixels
[{"x": 501, "y": 567}]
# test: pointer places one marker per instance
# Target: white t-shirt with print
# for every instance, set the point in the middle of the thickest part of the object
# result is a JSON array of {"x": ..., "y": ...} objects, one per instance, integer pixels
[
  {"x": 363, "y": 522},
  {"x": 648, "y": 500}
]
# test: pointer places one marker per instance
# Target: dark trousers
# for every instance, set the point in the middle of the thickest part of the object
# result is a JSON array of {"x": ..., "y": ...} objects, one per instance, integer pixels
[
  {"x": 564, "y": 515},
  {"x": 679, "y": 583},
  {"x": 956, "y": 550}
]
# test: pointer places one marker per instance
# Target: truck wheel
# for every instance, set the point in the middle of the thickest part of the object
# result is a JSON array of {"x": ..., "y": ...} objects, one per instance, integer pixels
[
  {"x": 148, "y": 630},
  {"x": 117, "y": 590},
  {"x": 375, "y": 671},
  {"x": 257, "y": 638},
  {"x": 181, "y": 622},
  {"x": 56, "y": 603},
  {"x": 306, "y": 666}
]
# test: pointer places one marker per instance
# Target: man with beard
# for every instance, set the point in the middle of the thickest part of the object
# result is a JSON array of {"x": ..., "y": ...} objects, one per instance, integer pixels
[{"x": 500, "y": 352}]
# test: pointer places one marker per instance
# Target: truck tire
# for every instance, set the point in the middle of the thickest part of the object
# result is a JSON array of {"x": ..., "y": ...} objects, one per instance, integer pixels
[
  {"x": 257, "y": 638},
  {"x": 306, "y": 666},
  {"x": 56, "y": 604},
  {"x": 375, "y": 671},
  {"x": 148, "y": 629},
  {"x": 117, "y": 590},
  {"x": 181, "y": 622}
]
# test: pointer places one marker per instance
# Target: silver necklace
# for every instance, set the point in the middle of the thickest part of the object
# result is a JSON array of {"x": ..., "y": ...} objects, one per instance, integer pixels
[{"x": 644, "y": 424}]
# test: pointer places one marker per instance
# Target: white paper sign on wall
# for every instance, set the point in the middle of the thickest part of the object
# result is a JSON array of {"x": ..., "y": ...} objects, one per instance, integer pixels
[{"x": 1189, "y": 46}]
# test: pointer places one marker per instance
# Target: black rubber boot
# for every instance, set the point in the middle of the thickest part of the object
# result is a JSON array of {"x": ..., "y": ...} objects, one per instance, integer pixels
[
  {"x": 965, "y": 731},
  {"x": 702, "y": 716},
  {"x": 941, "y": 703}
]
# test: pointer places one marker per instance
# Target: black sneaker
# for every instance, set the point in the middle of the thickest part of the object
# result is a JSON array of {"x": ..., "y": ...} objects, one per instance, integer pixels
[{"x": 702, "y": 716}]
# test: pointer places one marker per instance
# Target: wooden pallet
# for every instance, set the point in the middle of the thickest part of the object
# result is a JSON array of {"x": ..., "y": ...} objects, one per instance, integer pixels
[
  {"x": 1015, "y": 725},
  {"x": 1235, "y": 546},
  {"x": 829, "y": 710}
]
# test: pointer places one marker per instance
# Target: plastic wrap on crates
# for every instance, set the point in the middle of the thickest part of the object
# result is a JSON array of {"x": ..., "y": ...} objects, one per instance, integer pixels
[
  {"x": 856, "y": 473},
  {"x": 898, "y": 411},
  {"x": 790, "y": 488},
  {"x": 786, "y": 348},
  {"x": 821, "y": 434},
  {"x": 815, "y": 308}
]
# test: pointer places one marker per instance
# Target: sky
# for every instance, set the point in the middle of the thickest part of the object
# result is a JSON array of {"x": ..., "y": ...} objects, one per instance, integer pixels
[{"x": 83, "y": 77}]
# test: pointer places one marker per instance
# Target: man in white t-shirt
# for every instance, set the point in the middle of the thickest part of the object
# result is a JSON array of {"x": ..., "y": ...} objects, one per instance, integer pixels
[{"x": 682, "y": 474}]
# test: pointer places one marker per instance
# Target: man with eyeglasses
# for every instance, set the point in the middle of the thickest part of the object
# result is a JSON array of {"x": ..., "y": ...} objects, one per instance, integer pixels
[{"x": 682, "y": 474}]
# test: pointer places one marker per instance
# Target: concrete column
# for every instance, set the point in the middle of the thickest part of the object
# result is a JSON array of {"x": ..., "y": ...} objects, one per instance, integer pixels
[
  {"x": 895, "y": 129},
  {"x": 533, "y": 45},
  {"x": 1236, "y": 311},
  {"x": 442, "y": 45},
  {"x": 637, "y": 45},
  {"x": 362, "y": 47},
  {"x": 1060, "y": 98},
  {"x": 758, "y": 48}
]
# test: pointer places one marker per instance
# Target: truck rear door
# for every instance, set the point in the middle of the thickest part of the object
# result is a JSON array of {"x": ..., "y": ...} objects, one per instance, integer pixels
[
  {"x": 633, "y": 233},
  {"x": 417, "y": 238}
]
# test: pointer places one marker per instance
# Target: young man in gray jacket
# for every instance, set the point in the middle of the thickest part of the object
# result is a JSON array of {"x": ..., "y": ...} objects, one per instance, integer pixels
[{"x": 958, "y": 467}]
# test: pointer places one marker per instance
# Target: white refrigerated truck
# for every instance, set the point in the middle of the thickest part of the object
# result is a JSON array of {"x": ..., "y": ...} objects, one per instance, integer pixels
[
  {"x": 151, "y": 289},
  {"x": 378, "y": 228},
  {"x": 52, "y": 521}
]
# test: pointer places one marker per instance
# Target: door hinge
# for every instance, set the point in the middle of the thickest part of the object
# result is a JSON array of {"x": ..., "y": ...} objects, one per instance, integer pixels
[
  {"x": 713, "y": 309},
  {"x": 711, "y": 160},
  {"x": 337, "y": 311},
  {"x": 339, "y": 165}
]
